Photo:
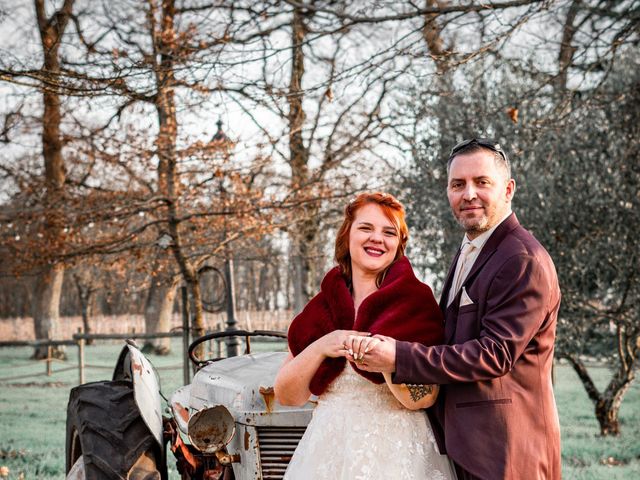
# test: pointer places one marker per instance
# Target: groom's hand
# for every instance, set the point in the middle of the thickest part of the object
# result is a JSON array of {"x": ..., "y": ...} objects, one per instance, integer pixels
[{"x": 381, "y": 357}]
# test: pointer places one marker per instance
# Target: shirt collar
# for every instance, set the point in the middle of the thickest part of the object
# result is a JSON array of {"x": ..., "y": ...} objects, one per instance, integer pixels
[{"x": 481, "y": 239}]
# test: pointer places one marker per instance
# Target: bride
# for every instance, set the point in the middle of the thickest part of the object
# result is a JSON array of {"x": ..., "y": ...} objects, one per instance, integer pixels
[{"x": 364, "y": 426}]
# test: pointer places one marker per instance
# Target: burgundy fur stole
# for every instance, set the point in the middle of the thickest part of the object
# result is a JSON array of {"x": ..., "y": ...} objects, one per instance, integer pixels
[{"x": 403, "y": 308}]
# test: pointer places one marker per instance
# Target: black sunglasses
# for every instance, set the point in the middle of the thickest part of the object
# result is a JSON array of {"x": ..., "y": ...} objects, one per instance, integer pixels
[{"x": 483, "y": 142}]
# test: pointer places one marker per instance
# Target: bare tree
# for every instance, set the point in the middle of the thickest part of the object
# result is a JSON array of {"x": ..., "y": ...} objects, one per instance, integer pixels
[
  {"x": 316, "y": 82},
  {"x": 47, "y": 296}
]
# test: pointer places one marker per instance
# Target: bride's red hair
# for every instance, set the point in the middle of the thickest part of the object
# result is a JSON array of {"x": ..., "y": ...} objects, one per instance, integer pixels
[{"x": 392, "y": 209}]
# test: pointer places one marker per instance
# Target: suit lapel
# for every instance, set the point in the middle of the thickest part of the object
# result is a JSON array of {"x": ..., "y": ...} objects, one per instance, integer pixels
[
  {"x": 447, "y": 283},
  {"x": 489, "y": 248},
  {"x": 450, "y": 317},
  {"x": 451, "y": 312}
]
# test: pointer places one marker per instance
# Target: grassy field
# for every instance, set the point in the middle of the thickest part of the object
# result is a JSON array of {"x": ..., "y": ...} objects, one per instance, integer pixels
[{"x": 33, "y": 411}]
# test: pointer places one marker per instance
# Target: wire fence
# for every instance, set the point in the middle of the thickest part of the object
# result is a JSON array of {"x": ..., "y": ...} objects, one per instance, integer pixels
[
  {"x": 260, "y": 321},
  {"x": 80, "y": 340}
]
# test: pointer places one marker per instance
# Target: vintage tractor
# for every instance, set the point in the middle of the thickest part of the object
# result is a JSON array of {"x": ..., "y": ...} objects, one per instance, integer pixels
[{"x": 224, "y": 425}]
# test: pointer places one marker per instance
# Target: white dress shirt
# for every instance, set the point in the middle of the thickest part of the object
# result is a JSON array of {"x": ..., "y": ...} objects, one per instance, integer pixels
[{"x": 478, "y": 242}]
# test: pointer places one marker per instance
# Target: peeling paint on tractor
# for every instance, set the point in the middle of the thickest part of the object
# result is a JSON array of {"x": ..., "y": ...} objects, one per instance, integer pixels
[{"x": 268, "y": 396}]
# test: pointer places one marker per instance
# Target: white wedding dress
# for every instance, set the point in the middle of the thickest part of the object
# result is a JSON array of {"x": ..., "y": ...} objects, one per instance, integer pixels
[{"x": 359, "y": 431}]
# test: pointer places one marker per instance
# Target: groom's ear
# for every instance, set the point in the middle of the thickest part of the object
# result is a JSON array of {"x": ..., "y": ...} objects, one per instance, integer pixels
[{"x": 510, "y": 189}]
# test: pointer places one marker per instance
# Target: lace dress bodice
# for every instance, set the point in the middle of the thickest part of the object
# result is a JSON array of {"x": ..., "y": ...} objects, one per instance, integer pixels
[{"x": 360, "y": 431}]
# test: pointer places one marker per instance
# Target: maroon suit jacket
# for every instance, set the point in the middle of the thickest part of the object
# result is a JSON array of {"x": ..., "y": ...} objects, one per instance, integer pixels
[{"x": 496, "y": 414}]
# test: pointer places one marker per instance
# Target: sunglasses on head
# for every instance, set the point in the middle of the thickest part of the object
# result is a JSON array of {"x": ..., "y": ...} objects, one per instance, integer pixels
[{"x": 483, "y": 142}]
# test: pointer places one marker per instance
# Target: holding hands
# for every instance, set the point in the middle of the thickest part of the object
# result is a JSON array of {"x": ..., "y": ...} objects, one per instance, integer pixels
[
  {"x": 378, "y": 354},
  {"x": 357, "y": 346},
  {"x": 371, "y": 353},
  {"x": 335, "y": 344},
  {"x": 375, "y": 353}
]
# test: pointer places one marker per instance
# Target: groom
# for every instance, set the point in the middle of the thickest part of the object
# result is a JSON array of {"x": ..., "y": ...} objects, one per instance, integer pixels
[{"x": 496, "y": 415}]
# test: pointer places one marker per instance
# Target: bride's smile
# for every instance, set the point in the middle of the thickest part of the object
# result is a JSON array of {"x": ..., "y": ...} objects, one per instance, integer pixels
[{"x": 373, "y": 240}]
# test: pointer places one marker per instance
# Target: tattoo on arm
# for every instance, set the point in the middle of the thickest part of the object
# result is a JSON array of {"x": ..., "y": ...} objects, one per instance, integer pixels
[{"x": 418, "y": 392}]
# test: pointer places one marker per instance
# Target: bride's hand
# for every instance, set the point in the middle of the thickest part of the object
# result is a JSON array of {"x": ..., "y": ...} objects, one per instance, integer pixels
[
  {"x": 377, "y": 355},
  {"x": 359, "y": 345},
  {"x": 334, "y": 344}
]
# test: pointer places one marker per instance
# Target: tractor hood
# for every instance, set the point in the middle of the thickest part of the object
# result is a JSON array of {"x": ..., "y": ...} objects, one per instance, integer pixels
[{"x": 244, "y": 385}]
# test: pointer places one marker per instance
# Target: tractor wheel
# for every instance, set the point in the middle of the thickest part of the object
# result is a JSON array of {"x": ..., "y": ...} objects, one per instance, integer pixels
[{"x": 105, "y": 427}]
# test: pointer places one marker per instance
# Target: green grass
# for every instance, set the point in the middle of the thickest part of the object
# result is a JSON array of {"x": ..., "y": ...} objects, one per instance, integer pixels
[
  {"x": 33, "y": 412},
  {"x": 585, "y": 454},
  {"x": 33, "y": 406}
]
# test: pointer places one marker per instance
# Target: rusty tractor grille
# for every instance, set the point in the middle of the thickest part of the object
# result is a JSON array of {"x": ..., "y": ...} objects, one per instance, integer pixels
[{"x": 276, "y": 449}]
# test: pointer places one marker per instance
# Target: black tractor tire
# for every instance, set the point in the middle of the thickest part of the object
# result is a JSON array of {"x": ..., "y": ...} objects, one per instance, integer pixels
[{"x": 104, "y": 425}]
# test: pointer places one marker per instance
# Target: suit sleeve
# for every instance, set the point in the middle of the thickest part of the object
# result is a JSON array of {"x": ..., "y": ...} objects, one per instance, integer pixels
[{"x": 517, "y": 305}]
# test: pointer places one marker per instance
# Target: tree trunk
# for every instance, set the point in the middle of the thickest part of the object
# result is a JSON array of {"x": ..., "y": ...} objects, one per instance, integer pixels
[
  {"x": 49, "y": 285},
  {"x": 298, "y": 279},
  {"x": 298, "y": 159},
  {"x": 263, "y": 301},
  {"x": 46, "y": 319},
  {"x": 167, "y": 167},
  {"x": 164, "y": 42},
  {"x": 607, "y": 404},
  {"x": 193, "y": 287},
  {"x": 158, "y": 312},
  {"x": 304, "y": 262},
  {"x": 608, "y": 407},
  {"x": 87, "y": 313},
  {"x": 607, "y": 416},
  {"x": 432, "y": 34},
  {"x": 567, "y": 50},
  {"x": 86, "y": 295},
  {"x": 252, "y": 286}
]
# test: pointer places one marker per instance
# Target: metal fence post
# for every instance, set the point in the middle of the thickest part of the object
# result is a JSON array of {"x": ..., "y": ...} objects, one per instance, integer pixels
[
  {"x": 49, "y": 355},
  {"x": 81, "y": 343},
  {"x": 219, "y": 328},
  {"x": 185, "y": 336},
  {"x": 232, "y": 323}
]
